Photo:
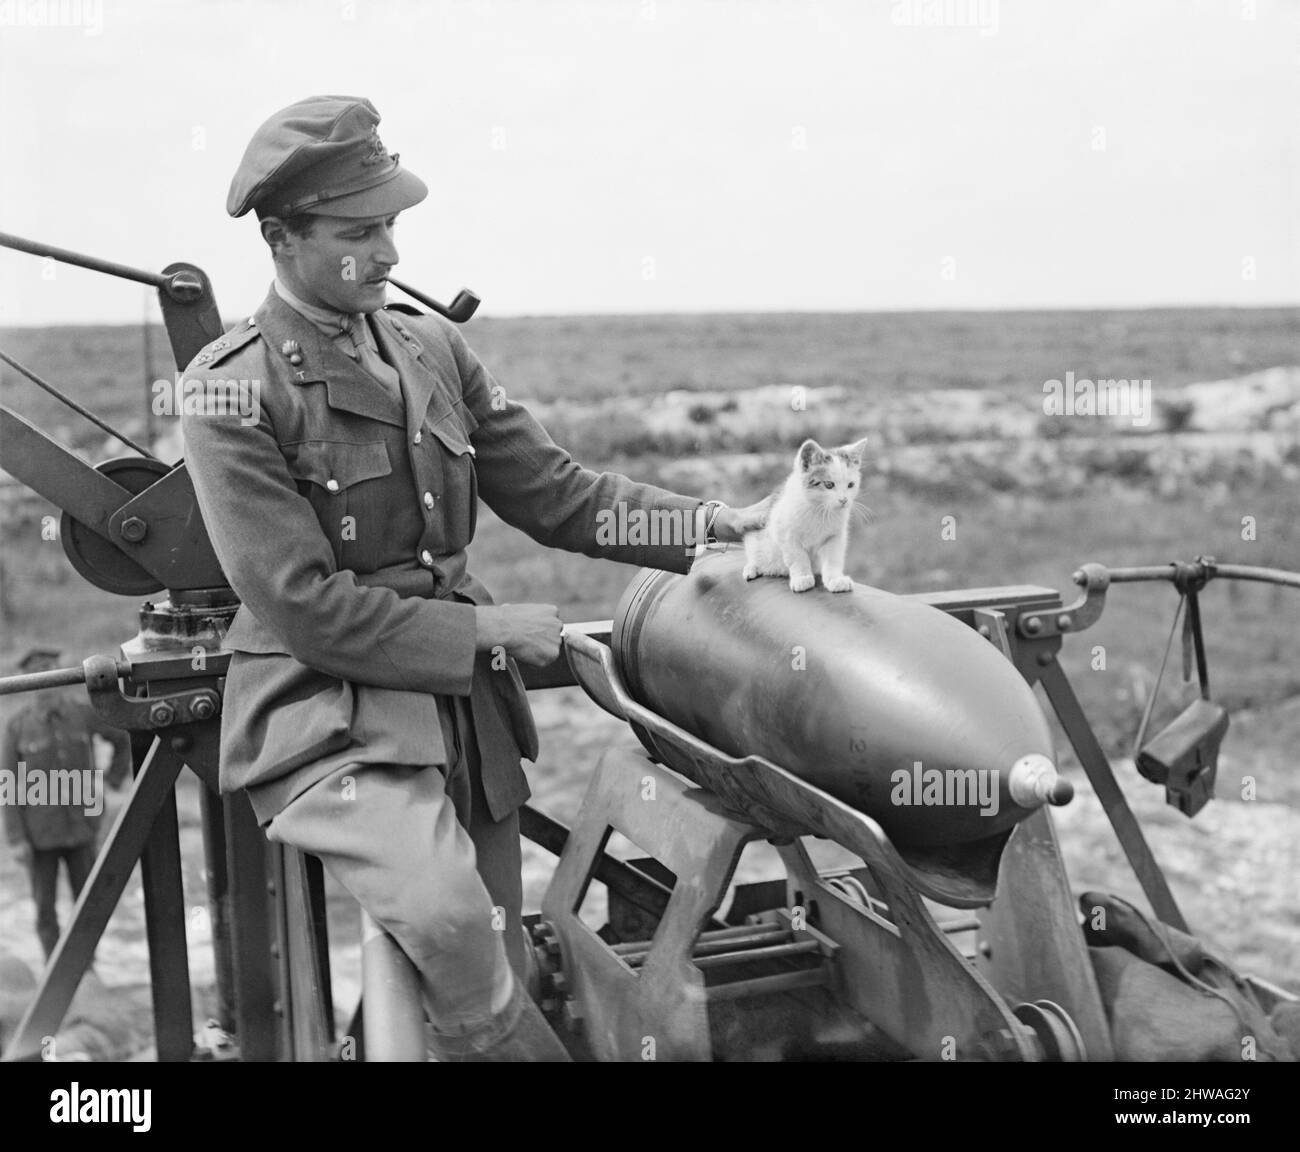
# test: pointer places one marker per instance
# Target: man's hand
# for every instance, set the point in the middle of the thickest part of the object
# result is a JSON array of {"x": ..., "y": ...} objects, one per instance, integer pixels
[
  {"x": 528, "y": 632},
  {"x": 732, "y": 523}
]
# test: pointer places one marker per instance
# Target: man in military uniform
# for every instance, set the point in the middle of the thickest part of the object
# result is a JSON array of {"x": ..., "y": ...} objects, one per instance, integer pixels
[
  {"x": 54, "y": 808},
  {"x": 373, "y": 708}
]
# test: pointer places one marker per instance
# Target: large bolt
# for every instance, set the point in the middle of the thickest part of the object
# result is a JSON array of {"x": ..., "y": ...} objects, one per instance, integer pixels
[
  {"x": 162, "y": 714},
  {"x": 204, "y": 708},
  {"x": 134, "y": 529}
]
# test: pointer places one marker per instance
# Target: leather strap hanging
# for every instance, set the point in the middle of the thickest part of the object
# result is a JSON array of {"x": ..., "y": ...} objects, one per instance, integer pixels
[{"x": 1183, "y": 756}]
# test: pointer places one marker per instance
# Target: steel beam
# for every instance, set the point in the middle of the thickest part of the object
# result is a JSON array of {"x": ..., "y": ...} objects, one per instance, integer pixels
[
  {"x": 1102, "y": 778},
  {"x": 164, "y": 921}
]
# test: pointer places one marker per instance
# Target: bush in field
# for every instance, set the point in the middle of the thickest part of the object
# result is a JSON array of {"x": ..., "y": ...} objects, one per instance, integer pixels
[
  {"x": 1120, "y": 461},
  {"x": 1056, "y": 427},
  {"x": 1176, "y": 414}
]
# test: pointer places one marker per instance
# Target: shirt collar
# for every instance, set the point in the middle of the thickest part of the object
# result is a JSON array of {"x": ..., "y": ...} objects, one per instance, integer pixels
[{"x": 329, "y": 321}]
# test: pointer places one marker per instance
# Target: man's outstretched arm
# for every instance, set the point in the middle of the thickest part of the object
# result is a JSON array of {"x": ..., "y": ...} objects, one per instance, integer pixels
[{"x": 535, "y": 485}]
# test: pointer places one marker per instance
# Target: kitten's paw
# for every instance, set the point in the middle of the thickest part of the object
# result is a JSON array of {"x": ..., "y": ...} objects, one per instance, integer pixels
[
  {"x": 840, "y": 584},
  {"x": 750, "y": 572},
  {"x": 801, "y": 583}
]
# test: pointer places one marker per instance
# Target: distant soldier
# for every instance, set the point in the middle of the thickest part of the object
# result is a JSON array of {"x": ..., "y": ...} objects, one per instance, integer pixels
[{"x": 54, "y": 794}]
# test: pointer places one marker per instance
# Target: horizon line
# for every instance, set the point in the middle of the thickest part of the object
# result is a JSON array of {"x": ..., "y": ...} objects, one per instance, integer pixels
[{"x": 720, "y": 313}]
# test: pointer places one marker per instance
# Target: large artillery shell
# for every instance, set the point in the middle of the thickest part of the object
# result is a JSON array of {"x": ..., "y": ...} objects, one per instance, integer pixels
[{"x": 888, "y": 704}]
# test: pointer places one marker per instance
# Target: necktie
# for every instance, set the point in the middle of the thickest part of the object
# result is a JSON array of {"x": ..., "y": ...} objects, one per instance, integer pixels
[{"x": 353, "y": 340}]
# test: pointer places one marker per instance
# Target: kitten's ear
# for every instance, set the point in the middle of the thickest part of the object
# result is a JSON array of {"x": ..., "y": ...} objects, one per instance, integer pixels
[
  {"x": 856, "y": 452},
  {"x": 810, "y": 453}
]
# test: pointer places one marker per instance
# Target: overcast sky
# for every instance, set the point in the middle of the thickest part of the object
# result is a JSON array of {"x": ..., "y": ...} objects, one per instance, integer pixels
[{"x": 706, "y": 155}]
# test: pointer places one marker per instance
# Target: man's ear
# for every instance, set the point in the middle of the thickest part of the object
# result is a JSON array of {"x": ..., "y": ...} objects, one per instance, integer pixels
[{"x": 277, "y": 236}]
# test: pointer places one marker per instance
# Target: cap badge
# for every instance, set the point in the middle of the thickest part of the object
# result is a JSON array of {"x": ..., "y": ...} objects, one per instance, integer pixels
[{"x": 378, "y": 154}]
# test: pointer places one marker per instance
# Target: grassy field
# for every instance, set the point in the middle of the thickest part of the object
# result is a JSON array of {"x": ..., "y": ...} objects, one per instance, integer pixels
[
  {"x": 1032, "y": 520},
  {"x": 1036, "y": 532},
  {"x": 584, "y": 358}
]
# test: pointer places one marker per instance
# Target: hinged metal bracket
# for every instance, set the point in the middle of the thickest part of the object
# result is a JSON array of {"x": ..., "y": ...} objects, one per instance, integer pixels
[
  {"x": 145, "y": 713},
  {"x": 1083, "y": 613}
]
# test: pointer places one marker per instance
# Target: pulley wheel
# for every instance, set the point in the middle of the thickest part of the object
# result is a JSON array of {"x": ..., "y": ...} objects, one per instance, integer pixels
[
  {"x": 1056, "y": 1032},
  {"x": 100, "y": 562}
]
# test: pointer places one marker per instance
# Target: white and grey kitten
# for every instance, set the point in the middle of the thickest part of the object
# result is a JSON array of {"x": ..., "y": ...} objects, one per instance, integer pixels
[{"x": 807, "y": 530}]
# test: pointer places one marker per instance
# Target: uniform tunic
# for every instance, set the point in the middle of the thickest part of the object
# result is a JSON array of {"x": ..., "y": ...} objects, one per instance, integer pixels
[
  {"x": 341, "y": 515},
  {"x": 57, "y": 739},
  {"x": 341, "y": 519}
]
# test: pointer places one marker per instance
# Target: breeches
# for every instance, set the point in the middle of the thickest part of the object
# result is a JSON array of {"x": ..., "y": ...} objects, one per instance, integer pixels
[{"x": 417, "y": 848}]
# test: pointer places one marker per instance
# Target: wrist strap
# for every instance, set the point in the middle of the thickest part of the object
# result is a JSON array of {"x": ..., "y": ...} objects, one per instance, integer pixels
[{"x": 715, "y": 507}]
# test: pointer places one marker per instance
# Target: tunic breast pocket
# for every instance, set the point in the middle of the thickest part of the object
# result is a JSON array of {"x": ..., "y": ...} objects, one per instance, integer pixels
[
  {"x": 459, "y": 480},
  {"x": 345, "y": 483}
]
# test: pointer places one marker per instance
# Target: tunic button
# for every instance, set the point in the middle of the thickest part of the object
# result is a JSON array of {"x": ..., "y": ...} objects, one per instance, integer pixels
[
  {"x": 332, "y": 484},
  {"x": 426, "y": 558},
  {"x": 419, "y": 436},
  {"x": 428, "y": 499}
]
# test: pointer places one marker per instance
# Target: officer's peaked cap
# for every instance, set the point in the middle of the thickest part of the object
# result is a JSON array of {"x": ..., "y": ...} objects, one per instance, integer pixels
[{"x": 322, "y": 156}]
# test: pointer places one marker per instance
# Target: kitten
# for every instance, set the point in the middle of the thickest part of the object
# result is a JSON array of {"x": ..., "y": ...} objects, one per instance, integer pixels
[{"x": 808, "y": 526}]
